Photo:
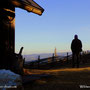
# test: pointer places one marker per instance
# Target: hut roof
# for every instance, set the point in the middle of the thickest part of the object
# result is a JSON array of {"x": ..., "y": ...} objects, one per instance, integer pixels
[{"x": 29, "y": 5}]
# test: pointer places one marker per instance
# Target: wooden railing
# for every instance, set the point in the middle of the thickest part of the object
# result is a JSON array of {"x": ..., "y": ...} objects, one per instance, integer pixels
[{"x": 49, "y": 62}]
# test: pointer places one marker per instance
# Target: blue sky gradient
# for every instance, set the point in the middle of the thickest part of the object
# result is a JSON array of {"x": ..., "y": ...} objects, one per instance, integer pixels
[{"x": 61, "y": 20}]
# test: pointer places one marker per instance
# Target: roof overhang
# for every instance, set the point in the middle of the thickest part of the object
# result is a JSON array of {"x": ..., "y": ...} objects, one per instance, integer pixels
[{"x": 29, "y": 5}]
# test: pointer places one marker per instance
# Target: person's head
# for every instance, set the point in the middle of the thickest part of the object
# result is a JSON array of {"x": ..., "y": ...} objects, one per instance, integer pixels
[{"x": 75, "y": 36}]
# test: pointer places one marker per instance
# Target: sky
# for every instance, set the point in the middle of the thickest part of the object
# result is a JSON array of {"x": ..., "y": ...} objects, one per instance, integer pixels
[{"x": 61, "y": 20}]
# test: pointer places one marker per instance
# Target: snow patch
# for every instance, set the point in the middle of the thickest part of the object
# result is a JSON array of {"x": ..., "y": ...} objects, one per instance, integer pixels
[{"x": 9, "y": 78}]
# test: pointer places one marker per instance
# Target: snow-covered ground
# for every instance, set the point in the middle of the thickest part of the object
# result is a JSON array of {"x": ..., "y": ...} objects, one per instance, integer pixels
[{"x": 9, "y": 79}]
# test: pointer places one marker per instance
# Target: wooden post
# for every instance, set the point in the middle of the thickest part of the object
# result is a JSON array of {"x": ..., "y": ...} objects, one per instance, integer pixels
[
  {"x": 7, "y": 32},
  {"x": 53, "y": 58},
  {"x": 67, "y": 57},
  {"x": 38, "y": 61}
]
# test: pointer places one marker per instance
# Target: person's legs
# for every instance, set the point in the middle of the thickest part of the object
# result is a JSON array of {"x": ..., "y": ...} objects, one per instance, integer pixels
[
  {"x": 77, "y": 61},
  {"x": 73, "y": 60}
]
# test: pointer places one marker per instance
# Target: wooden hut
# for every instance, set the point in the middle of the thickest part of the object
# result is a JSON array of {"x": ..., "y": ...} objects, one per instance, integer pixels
[{"x": 7, "y": 27}]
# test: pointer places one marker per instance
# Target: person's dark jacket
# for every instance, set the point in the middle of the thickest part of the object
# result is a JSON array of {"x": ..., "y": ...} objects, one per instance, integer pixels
[{"x": 76, "y": 46}]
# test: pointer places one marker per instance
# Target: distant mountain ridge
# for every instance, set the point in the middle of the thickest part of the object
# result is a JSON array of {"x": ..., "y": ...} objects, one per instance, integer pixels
[{"x": 32, "y": 57}]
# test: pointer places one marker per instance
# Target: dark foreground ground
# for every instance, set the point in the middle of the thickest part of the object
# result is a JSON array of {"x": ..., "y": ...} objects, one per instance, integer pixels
[
  {"x": 65, "y": 78},
  {"x": 60, "y": 77}
]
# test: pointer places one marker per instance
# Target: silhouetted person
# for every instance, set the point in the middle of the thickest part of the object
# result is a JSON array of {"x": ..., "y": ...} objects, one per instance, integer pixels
[{"x": 76, "y": 47}]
